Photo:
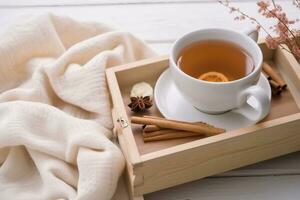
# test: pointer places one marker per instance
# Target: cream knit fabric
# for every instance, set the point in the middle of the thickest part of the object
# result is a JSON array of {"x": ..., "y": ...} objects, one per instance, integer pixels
[{"x": 55, "y": 120}]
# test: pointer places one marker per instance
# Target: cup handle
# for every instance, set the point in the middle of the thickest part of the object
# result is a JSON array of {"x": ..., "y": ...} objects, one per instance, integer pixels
[
  {"x": 263, "y": 103},
  {"x": 251, "y": 32}
]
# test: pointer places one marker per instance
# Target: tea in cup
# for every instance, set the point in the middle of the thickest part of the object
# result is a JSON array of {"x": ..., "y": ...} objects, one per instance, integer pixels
[{"x": 217, "y": 70}]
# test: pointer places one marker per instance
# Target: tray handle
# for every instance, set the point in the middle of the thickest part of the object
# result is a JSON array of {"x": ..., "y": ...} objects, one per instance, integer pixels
[
  {"x": 122, "y": 122},
  {"x": 119, "y": 122}
]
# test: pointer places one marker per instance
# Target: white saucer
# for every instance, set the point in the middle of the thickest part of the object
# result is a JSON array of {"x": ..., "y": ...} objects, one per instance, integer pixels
[{"x": 172, "y": 105}]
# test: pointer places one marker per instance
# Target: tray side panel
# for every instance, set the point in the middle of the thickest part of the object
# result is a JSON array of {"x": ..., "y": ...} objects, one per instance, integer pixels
[
  {"x": 290, "y": 69},
  {"x": 200, "y": 158},
  {"x": 281, "y": 106},
  {"x": 125, "y": 137},
  {"x": 275, "y": 139}
]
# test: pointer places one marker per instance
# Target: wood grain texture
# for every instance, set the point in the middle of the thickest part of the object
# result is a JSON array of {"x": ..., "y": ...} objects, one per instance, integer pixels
[
  {"x": 35, "y": 3},
  {"x": 182, "y": 163},
  {"x": 234, "y": 188},
  {"x": 281, "y": 106},
  {"x": 196, "y": 161},
  {"x": 159, "y": 23}
]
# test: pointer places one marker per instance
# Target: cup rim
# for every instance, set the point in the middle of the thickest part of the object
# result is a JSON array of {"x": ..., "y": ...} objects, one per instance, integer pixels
[{"x": 246, "y": 37}]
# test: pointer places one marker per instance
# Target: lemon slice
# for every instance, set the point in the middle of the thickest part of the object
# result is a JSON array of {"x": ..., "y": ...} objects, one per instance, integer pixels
[{"x": 213, "y": 77}]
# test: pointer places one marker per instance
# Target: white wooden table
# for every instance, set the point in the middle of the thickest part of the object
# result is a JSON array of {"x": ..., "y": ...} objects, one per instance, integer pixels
[{"x": 160, "y": 22}]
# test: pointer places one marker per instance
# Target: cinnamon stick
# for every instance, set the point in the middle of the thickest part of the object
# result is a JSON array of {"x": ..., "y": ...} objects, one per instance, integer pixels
[
  {"x": 200, "y": 123},
  {"x": 156, "y": 133},
  {"x": 267, "y": 76},
  {"x": 166, "y": 131},
  {"x": 273, "y": 75},
  {"x": 276, "y": 92},
  {"x": 274, "y": 84},
  {"x": 151, "y": 128},
  {"x": 275, "y": 87},
  {"x": 202, "y": 128},
  {"x": 167, "y": 135}
]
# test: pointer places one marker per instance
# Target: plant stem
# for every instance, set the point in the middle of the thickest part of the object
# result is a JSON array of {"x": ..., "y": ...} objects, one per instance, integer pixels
[
  {"x": 291, "y": 32},
  {"x": 285, "y": 49},
  {"x": 252, "y": 19},
  {"x": 297, "y": 3},
  {"x": 273, "y": 2},
  {"x": 248, "y": 17}
]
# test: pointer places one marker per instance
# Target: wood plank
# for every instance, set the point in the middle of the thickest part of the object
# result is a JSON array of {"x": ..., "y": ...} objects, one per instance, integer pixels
[
  {"x": 154, "y": 22},
  {"x": 162, "y": 48},
  {"x": 284, "y": 165},
  {"x": 165, "y": 171},
  {"x": 35, "y": 3},
  {"x": 159, "y": 25},
  {"x": 198, "y": 159},
  {"x": 248, "y": 188},
  {"x": 289, "y": 164}
]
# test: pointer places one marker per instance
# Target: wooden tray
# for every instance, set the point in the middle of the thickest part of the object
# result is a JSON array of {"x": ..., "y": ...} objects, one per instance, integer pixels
[{"x": 157, "y": 165}]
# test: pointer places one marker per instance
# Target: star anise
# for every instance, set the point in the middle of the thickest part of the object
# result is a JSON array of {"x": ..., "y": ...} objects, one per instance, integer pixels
[{"x": 140, "y": 103}]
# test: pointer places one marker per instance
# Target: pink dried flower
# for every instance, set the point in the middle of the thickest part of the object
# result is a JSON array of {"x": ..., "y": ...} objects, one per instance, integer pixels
[
  {"x": 258, "y": 27},
  {"x": 282, "y": 17},
  {"x": 281, "y": 31},
  {"x": 292, "y": 22},
  {"x": 297, "y": 3},
  {"x": 268, "y": 14},
  {"x": 233, "y": 9},
  {"x": 262, "y": 6},
  {"x": 296, "y": 51},
  {"x": 271, "y": 42},
  {"x": 280, "y": 39},
  {"x": 279, "y": 8}
]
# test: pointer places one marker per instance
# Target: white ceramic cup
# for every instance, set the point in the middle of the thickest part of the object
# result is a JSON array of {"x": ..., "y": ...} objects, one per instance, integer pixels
[{"x": 219, "y": 97}]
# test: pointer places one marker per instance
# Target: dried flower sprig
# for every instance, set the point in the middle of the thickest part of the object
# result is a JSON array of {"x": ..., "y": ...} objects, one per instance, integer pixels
[
  {"x": 282, "y": 33},
  {"x": 297, "y": 3}
]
